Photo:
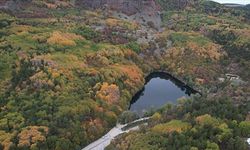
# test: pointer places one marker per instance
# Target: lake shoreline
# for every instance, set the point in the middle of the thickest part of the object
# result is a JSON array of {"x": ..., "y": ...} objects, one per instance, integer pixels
[{"x": 164, "y": 76}]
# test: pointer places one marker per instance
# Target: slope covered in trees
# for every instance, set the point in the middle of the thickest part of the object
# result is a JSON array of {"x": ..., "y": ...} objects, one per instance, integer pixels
[{"x": 67, "y": 74}]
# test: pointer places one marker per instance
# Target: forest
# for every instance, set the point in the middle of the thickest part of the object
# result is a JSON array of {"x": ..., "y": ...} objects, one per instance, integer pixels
[{"x": 68, "y": 74}]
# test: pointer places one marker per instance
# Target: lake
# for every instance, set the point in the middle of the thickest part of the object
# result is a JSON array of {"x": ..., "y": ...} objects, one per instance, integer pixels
[{"x": 160, "y": 88}]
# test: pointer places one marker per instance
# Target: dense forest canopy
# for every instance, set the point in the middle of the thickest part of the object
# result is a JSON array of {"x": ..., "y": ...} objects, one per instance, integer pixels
[{"x": 68, "y": 72}]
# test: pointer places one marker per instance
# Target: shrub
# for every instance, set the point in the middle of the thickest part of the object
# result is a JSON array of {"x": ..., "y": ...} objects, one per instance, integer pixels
[
  {"x": 245, "y": 128},
  {"x": 179, "y": 38},
  {"x": 87, "y": 32},
  {"x": 63, "y": 39},
  {"x": 134, "y": 46},
  {"x": 5, "y": 23},
  {"x": 174, "y": 125}
]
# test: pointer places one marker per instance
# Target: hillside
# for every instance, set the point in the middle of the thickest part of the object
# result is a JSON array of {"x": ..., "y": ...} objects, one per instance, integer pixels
[{"x": 69, "y": 69}]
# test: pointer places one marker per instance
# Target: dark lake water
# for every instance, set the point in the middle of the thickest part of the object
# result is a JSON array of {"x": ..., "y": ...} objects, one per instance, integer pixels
[{"x": 160, "y": 89}]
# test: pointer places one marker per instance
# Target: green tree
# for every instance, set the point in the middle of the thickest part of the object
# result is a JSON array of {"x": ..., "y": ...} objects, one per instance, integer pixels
[
  {"x": 127, "y": 116},
  {"x": 245, "y": 128}
]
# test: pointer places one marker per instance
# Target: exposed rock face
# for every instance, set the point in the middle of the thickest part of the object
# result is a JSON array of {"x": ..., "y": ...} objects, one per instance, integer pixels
[{"x": 129, "y": 7}]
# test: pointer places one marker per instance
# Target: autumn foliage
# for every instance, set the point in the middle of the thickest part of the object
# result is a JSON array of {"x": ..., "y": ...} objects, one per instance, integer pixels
[
  {"x": 5, "y": 139},
  {"x": 112, "y": 22},
  {"x": 206, "y": 120},
  {"x": 63, "y": 39},
  {"x": 133, "y": 73},
  {"x": 31, "y": 135},
  {"x": 75, "y": 71},
  {"x": 174, "y": 125},
  {"x": 109, "y": 93}
]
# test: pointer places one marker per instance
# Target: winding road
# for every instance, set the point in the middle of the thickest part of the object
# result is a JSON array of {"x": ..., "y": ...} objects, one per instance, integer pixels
[{"x": 104, "y": 141}]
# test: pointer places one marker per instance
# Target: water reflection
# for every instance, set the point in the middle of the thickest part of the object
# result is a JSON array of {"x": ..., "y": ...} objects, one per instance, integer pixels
[{"x": 160, "y": 88}]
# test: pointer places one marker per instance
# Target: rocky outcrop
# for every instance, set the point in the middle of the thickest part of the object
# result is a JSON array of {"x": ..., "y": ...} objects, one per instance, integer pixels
[{"x": 129, "y": 7}]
